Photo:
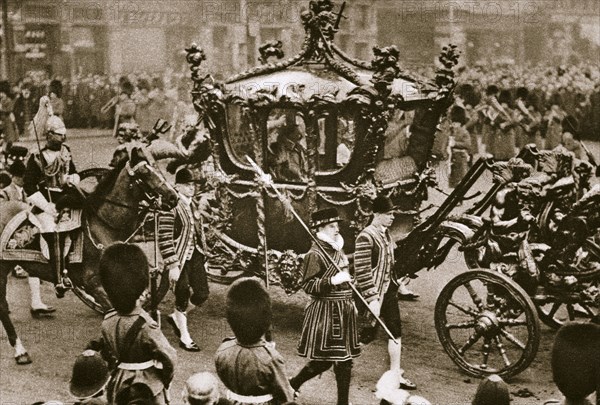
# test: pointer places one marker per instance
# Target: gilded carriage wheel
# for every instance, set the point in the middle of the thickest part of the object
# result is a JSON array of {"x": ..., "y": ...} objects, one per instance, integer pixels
[
  {"x": 487, "y": 324},
  {"x": 555, "y": 311}
]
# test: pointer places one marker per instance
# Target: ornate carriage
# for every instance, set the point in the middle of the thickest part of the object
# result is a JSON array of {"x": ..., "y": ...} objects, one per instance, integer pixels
[{"x": 331, "y": 130}]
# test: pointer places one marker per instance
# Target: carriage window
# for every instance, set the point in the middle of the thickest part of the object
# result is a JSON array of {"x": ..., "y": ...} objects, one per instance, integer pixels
[
  {"x": 336, "y": 141},
  {"x": 286, "y": 135},
  {"x": 241, "y": 142},
  {"x": 397, "y": 135}
]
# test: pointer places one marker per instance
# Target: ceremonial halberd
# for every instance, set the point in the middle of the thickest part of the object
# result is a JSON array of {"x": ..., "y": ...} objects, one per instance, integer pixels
[{"x": 331, "y": 131}]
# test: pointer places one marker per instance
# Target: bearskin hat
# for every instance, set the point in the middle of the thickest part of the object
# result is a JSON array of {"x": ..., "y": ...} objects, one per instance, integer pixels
[
  {"x": 575, "y": 360},
  {"x": 248, "y": 310},
  {"x": 56, "y": 87},
  {"x": 124, "y": 275},
  {"x": 5, "y": 179}
]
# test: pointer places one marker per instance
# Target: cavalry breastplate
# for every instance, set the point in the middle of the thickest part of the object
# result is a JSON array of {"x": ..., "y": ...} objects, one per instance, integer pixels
[{"x": 54, "y": 172}]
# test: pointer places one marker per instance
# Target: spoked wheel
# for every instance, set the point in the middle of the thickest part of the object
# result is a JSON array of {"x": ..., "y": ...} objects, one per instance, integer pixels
[
  {"x": 555, "y": 311},
  {"x": 487, "y": 324}
]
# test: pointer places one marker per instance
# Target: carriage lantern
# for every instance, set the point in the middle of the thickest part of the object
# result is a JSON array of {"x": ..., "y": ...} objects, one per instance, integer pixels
[{"x": 321, "y": 124}]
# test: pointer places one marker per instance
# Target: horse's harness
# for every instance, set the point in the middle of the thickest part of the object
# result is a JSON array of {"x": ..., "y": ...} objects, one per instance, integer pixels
[{"x": 149, "y": 203}]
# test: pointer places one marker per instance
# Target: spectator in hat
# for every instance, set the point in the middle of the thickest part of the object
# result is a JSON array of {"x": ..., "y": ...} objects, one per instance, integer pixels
[
  {"x": 179, "y": 240},
  {"x": 141, "y": 358},
  {"x": 203, "y": 389},
  {"x": 89, "y": 378},
  {"x": 14, "y": 192},
  {"x": 250, "y": 367},
  {"x": 329, "y": 331},
  {"x": 376, "y": 281},
  {"x": 575, "y": 362},
  {"x": 24, "y": 110}
]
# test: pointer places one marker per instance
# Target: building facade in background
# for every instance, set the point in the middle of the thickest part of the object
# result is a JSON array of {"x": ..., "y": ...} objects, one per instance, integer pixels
[{"x": 66, "y": 37}]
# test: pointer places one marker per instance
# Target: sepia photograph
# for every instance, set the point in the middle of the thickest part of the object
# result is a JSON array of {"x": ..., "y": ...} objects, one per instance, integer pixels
[{"x": 300, "y": 202}]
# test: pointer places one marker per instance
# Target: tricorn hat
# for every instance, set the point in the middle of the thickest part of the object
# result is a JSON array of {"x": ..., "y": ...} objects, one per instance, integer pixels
[
  {"x": 382, "y": 204},
  {"x": 90, "y": 375},
  {"x": 17, "y": 151},
  {"x": 184, "y": 176},
  {"x": 324, "y": 217},
  {"x": 248, "y": 310}
]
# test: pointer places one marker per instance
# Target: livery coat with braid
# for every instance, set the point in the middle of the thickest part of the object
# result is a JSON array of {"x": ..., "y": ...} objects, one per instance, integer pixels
[{"x": 329, "y": 330}]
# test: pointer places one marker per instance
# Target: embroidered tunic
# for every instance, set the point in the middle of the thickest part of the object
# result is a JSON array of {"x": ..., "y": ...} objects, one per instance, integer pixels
[{"x": 329, "y": 330}]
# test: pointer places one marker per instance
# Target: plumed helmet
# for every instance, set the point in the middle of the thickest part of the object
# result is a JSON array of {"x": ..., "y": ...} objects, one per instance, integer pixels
[
  {"x": 324, "y": 217},
  {"x": 184, "y": 175},
  {"x": 492, "y": 390},
  {"x": 248, "y": 310},
  {"x": 17, "y": 168},
  {"x": 575, "y": 360},
  {"x": 55, "y": 125},
  {"x": 124, "y": 275},
  {"x": 90, "y": 375},
  {"x": 382, "y": 204}
]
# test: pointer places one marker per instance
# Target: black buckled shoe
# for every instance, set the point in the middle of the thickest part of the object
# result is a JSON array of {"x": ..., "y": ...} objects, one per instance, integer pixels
[
  {"x": 406, "y": 384},
  {"x": 191, "y": 347}
]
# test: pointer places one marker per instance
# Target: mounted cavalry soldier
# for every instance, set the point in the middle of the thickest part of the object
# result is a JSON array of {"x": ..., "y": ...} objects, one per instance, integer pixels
[{"x": 49, "y": 182}]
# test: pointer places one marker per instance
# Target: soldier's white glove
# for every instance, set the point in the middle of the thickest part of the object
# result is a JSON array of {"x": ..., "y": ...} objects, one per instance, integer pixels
[
  {"x": 341, "y": 277},
  {"x": 375, "y": 307},
  {"x": 44, "y": 102},
  {"x": 174, "y": 273}
]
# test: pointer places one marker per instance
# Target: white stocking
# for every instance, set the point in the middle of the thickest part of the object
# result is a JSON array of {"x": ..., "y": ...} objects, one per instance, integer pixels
[
  {"x": 19, "y": 349},
  {"x": 36, "y": 297},
  {"x": 181, "y": 321},
  {"x": 394, "y": 352}
]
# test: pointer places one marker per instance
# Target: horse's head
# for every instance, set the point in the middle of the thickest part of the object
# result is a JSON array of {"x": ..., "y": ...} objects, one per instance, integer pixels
[{"x": 151, "y": 182}]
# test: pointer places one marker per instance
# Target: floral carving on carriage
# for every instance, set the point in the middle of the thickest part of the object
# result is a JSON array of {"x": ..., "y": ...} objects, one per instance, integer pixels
[{"x": 331, "y": 131}]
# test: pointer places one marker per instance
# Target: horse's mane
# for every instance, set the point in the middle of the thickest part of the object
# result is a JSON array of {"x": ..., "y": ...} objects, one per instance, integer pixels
[{"x": 105, "y": 185}]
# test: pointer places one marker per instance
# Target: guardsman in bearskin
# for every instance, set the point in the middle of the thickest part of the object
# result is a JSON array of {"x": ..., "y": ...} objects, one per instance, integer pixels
[
  {"x": 134, "y": 346},
  {"x": 576, "y": 362},
  {"x": 329, "y": 332},
  {"x": 14, "y": 192},
  {"x": 249, "y": 366},
  {"x": 50, "y": 179},
  {"x": 375, "y": 278},
  {"x": 178, "y": 240}
]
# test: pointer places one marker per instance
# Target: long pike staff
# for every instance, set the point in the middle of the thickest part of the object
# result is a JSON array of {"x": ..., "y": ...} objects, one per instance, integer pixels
[{"x": 266, "y": 180}]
